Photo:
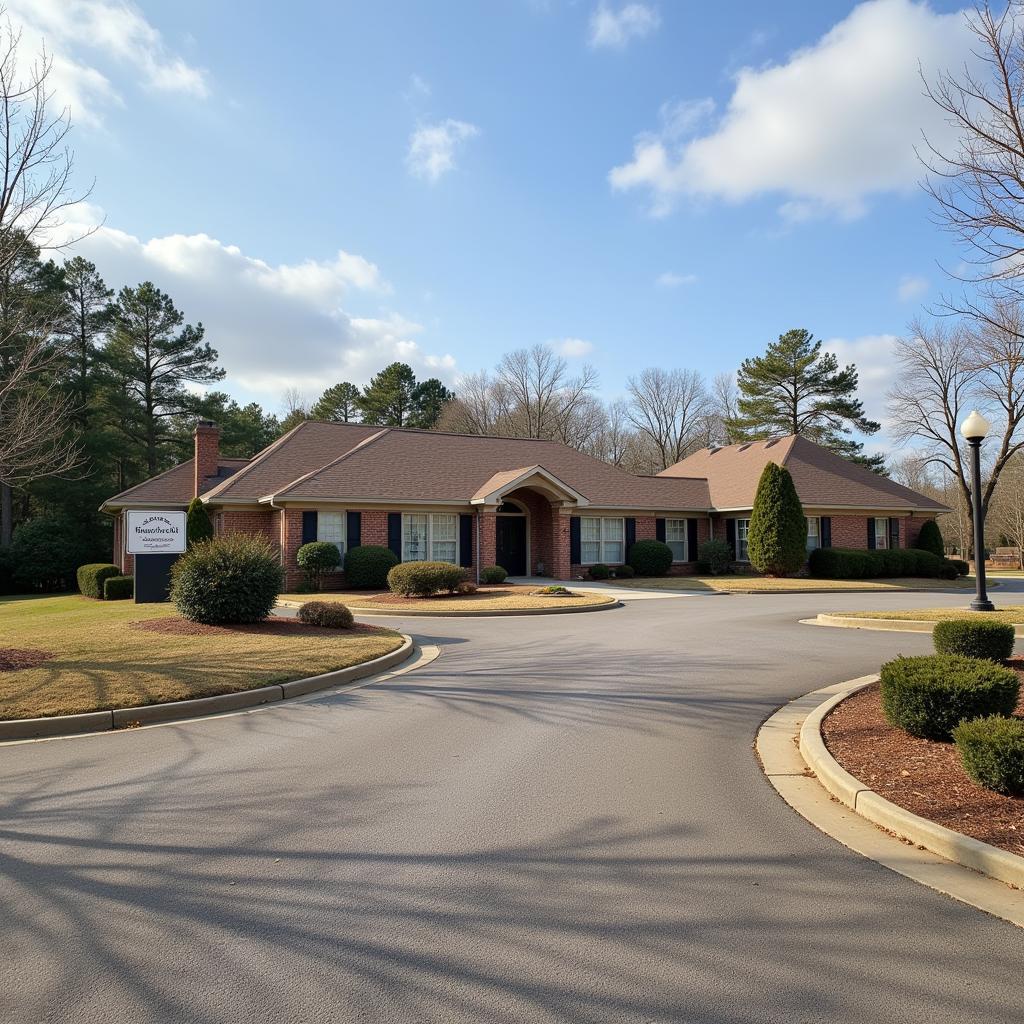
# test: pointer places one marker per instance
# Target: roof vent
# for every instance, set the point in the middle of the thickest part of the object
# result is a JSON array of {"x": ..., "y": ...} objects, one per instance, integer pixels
[
  {"x": 713, "y": 449},
  {"x": 743, "y": 447},
  {"x": 774, "y": 440}
]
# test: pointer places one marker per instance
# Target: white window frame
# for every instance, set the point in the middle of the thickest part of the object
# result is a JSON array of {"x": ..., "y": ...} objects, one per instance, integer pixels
[
  {"x": 816, "y": 520},
  {"x": 684, "y": 540},
  {"x": 742, "y": 537},
  {"x": 881, "y": 536},
  {"x": 340, "y": 542},
  {"x": 430, "y": 517},
  {"x": 604, "y": 540}
]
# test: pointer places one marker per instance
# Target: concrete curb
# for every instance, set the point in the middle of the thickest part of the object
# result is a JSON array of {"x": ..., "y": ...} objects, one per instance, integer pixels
[
  {"x": 376, "y": 613},
  {"x": 882, "y": 625},
  {"x": 147, "y": 714},
  {"x": 961, "y": 849}
]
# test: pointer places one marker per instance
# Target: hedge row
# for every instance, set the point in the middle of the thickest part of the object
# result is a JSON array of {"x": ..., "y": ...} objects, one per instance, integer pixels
[
  {"x": 854, "y": 564},
  {"x": 423, "y": 579},
  {"x": 92, "y": 576}
]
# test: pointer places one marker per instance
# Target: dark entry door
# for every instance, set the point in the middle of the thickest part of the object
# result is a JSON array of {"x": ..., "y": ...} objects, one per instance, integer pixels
[{"x": 511, "y": 544}]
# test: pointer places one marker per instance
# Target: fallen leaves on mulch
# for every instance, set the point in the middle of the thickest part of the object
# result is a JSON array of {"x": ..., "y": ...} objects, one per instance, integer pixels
[
  {"x": 14, "y": 658},
  {"x": 923, "y": 776},
  {"x": 269, "y": 627}
]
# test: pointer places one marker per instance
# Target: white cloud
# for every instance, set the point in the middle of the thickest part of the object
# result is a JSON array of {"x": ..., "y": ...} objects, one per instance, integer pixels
[
  {"x": 834, "y": 124},
  {"x": 432, "y": 147},
  {"x": 274, "y": 325},
  {"x": 79, "y": 34},
  {"x": 572, "y": 348},
  {"x": 873, "y": 355},
  {"x": 614, "y": 29},
  {"x": 418, "y": 89},
  {"x": 912, "y": 286},
  {"x": 670, "y": 279}
]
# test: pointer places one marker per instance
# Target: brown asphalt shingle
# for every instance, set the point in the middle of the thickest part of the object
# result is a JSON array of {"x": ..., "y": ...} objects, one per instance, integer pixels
[{"x": 173, "y": 485}]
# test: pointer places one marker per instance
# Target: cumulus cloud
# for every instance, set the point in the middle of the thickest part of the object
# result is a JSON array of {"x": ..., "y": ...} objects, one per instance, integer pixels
[
  {"x": 873, "y": 355},
  {"x": 432, "y": 147},
  {"x": 82, "y": 34},
  {"x": 615, "y": 29},
  {"x": 275, "y": 326},
  {"x": 670, "y": 279},
  {"x": 912, "y": 286},
  {"x": 834, "y": 124},
  {"x": 572, "y": 348}
]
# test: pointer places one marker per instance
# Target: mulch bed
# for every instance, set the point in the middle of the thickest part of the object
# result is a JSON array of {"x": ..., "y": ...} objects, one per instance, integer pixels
[
  {"x": 14, "y": 658},
  {"x": 923, "y": 776},
  {"x": 397, "y": 599},
  {"x": 269, "y": 627}
]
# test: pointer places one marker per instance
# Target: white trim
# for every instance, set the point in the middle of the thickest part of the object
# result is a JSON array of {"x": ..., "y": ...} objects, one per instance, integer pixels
[
  {"x": 686, "y": 538},
  {"x": 520, "y": 481},
  {"x": 736, "y": 551}
]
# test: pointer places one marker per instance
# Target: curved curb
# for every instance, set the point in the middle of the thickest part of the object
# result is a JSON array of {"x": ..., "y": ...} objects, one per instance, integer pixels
[
  {"x": 971, "y": 853},
  {"x": 881, "y": 625},
  {"x": 148, "y": 714},
  {"x": 494, "y": 613}
]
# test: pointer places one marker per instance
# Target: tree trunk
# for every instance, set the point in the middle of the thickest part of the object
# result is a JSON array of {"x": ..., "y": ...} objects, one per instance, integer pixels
[{"x": 6, "y": 515}]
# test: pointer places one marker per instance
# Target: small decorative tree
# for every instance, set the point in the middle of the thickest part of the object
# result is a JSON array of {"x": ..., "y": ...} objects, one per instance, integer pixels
[
  {"x": 930, "y": 538},
  {"x": 197, "y": 523},
  {"x": 777, "y": 540},
  {"x": 317, "y": 558}
]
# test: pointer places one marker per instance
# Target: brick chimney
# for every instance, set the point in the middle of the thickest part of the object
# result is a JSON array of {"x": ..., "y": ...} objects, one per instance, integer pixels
[{"x": 207, "y": 438}]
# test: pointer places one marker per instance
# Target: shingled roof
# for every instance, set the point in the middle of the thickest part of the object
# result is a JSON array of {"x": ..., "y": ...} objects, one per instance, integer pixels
[
  {"x": 174, "y": 486},
  {"x": 822, "y": 478}
]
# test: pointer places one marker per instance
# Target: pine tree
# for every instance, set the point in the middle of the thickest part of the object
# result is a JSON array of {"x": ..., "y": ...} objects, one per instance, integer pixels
[
  {"x": 388, "y": 398},
  {"x": 795, "y": 388},
  {"x": 429, "y": 398},
  {"x": 338, "y": 404},
  {"x": 777, "y": 538}
]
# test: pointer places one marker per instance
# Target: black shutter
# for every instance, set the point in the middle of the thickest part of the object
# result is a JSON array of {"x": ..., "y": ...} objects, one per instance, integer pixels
[
  {"x": 691, "y": 540},
  {"x": 825, "y": 531},
  {"x": 630, "y": 534},
  {"x": 354, "y": 529},
  {"x": 308, "y": 527},
  {"x": 465, "y": 540},
  {"x": 395, "y": 533},
  {"x": 575, "y": 547},
  {"x": 894, "y": 532},
  {"x": 659, "y": 530},
  {"x": 871, "y": 533},
  {"x": 730, "y": 536}
]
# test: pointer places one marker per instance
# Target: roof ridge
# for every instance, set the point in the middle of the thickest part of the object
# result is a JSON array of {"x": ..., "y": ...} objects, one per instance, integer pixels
[{"x": 328, "y": 465}]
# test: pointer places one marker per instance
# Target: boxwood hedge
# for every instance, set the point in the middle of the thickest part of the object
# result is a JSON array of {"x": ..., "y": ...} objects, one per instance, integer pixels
[
  {"x": 332, "y": 614},
  {"x": 423, "y": 579},
  {"x": 974, "y": 638},
  {"x": 992, "y": 752},
  {"x": 367, "y": 566},
  {"x": 118, "y": 588},
  {"x": 855, "y": 564},
  {"x": 650, "y": 558},
  {"x": 90, "y": 578}
]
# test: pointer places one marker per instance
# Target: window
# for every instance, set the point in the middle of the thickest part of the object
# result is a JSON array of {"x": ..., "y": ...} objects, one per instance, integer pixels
[
  {"x": 813, "y": 533},
  {"x": 742, "y": 530},
  {"x": 675, "y": 538},
  {"x": 330, "y": 527},
  {"x": 881, "y": 532},
  {"x": 602, "y": 540},
  {"x": 430, "y": 538}
]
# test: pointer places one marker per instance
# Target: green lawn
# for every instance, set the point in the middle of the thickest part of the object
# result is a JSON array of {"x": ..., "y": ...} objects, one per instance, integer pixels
[
  {"x": 100, "y": 661},
  {"x": 1012, "y": 614},
  {"x": 762, "y": 584}
]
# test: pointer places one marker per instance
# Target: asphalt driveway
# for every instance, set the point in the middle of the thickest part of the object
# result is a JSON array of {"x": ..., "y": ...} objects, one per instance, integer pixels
[{"x": 560, "y": 819}]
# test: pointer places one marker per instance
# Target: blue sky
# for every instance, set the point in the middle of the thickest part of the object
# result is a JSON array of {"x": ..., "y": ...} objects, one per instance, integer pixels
[{"x": 328, "y": 186}]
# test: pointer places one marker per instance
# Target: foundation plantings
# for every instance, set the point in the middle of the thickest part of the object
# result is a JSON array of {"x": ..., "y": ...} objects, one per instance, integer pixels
[{"x": 367, "y": 566}]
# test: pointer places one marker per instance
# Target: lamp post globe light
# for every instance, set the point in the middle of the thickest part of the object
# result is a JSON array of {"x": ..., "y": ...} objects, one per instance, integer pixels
[{"x": 975, "y": 429}]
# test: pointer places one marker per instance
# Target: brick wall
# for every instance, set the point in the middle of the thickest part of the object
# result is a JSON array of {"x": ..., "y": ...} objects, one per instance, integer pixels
[
  {"x": 206, "y": 438},
  {"x": 647, "y": 529}
]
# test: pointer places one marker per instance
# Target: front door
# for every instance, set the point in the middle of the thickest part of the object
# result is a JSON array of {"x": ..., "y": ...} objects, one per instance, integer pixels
[{"x": 511, "y": 544}]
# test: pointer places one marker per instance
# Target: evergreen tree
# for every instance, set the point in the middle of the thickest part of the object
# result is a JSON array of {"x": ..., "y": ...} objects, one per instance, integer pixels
[
  {"x": 429, "y": 398},
  {"x": 197, "y": 522},
  {"x": 244, "y": 429},
  {"x": 795, "y": 388},
  {"x": 777, "y": 538},
  {"x": 930, "y": 538},
  {"x": 89, "y": 314},
  {"x": 153, "y": 354},
  {"x": 388, "y": 398},
  {"x": 338, "y": 404}
]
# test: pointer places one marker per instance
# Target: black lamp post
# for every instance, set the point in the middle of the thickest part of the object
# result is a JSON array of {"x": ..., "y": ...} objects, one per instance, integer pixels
[{"x": 975, "y": 428}]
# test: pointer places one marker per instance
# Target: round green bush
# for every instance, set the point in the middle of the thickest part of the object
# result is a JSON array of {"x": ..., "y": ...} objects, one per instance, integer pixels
[
  {"x": 624, "y": 572},
  {"x": 962, "y": 568},
  {"x": 315, "y": 559},
  {"x": 234, "y": 578},
  {"x": 777, "y": 540},
  {"x": 929, "y": 696},
  {"x": 930, "y": 538},
  {"x": 91, "y": 577},
  {"x": 493, "y": 574},
  {"x": 600, "y": 572},
  {"x": 423, "y": 579},
  {"x": 118, "y": 588},
  {"x": 715, "y": 557},
  {"x": 974, "y": 638},
  {"x": 331, "y": 614},
  {"x": 992, "y": 752},
  {"x": 650, "y": 558},
  {"x": 367, "y": 566}
]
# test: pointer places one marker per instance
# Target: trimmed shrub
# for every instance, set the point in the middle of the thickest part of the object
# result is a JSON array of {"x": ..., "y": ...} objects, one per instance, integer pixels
[
  {"x": 317, "y": 558},
  {"x": 466, "y": 587},
  {"x": 91, "y": 576},
  {"x": 650, "y": 558},
  {"x": 624, "y": 572},
  {"x": 962, "y": 568},
  {"x": 424, "y": 579},
  {"x": 234, "y": 578},
  {"x": 331, "y": 614},
  {"x": 118, "y": 588},
  {"x": 858, "y": 564},
  {"x": 930, "y": 538},
  {"x": 197, "y": 523},
  {"x": 714, "y": 557},
  {"x": 777, "y": 540},
  {"x": 46, "y": 551},
  {"x": 992, "y": 752},
  {"x": 600, "y": 572},
  {"x": 929, "y": 696},
  {"x": 493, "y": 574},
  {"x": 974, "y": 638},
  {"x": 367, "y": 566}
]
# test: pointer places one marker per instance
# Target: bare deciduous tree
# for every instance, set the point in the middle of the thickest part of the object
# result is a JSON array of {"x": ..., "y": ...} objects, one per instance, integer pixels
[
  {"x": 1006, "y": 515},
  {"x": 672, "y": 409}
]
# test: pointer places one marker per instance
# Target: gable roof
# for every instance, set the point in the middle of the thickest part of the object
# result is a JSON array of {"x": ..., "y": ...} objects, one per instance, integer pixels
[
  {"x": 822, "y": 478},
  {"x": 174, "y": 486}
]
